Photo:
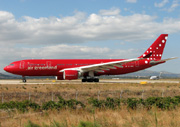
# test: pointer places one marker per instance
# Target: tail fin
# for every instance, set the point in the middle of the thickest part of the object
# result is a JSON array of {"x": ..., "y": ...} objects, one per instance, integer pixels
[{"x": 157, "y": 48}]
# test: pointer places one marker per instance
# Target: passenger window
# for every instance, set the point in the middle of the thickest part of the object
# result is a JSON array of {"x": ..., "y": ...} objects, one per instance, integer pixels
[{"x": 11, "y": 65}]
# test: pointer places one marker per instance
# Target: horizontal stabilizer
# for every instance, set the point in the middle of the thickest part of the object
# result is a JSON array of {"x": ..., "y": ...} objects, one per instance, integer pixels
[
  {"x": 164, "y": 60},
  {"x": 169, "y": 59}
]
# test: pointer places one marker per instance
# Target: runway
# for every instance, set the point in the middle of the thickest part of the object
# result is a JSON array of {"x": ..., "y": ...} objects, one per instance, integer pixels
[
  {"x": 140, "y": 81},
  {"x": 44, "y": 81}
]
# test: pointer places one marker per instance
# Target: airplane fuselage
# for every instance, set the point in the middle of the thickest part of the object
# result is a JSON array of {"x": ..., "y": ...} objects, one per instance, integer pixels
[{"x": 51, "y": 67}]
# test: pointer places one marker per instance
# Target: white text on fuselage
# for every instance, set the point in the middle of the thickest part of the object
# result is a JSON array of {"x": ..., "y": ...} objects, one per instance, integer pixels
[{"x": 42, "y": 68}]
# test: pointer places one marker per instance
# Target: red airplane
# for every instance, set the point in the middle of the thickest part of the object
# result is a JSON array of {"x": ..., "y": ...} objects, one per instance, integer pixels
[{"x": 89, "y": 69}]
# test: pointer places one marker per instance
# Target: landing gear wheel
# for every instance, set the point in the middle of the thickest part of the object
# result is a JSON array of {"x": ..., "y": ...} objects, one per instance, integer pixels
[
  {"x": 90, "y": 80},
  {"x": 96, "y": 80},
  {"x": 24, "y": 79},
  {"x": 84, "y": 80}
]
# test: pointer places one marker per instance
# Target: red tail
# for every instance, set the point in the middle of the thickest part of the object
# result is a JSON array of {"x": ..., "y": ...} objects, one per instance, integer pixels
[{"x": 157, "y": 48}]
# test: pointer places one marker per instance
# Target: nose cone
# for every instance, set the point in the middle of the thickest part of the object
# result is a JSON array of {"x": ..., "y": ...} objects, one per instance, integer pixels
[
  {"x": 10, "y": 68},
  {"x": 6, "y": 69}
]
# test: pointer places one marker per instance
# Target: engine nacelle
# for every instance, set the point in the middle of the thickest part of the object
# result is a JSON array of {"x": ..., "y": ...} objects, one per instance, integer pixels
[
  {"x": 71, "y": 74},
  {"x": 59, "y": 78}
]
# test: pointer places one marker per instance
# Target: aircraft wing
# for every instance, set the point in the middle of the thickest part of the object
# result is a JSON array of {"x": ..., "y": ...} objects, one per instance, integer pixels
[
  {"x": 106, "y": 66},
  {"x": 103, "y": 66}
]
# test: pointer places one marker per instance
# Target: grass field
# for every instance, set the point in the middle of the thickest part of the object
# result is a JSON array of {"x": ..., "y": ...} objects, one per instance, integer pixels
[
  {"x": 104, "y": 118},
  {"x": 81, "y": 91}
]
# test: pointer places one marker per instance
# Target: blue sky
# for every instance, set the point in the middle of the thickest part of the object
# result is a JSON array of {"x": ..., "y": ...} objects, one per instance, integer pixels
[{"x": 87, "y": 29}]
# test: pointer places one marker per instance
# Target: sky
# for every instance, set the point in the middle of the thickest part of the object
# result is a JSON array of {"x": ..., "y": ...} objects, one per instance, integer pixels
[{"x": 88, "y": 29}]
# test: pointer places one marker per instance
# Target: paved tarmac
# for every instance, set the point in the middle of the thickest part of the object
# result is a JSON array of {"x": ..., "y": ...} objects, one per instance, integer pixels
[
  {"x": 44, "y": 81},
  {"x": 140, "y": 81}
]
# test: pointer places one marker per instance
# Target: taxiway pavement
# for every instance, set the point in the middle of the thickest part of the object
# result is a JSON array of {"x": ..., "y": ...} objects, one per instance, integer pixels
[{"x": 30, "y": 81}]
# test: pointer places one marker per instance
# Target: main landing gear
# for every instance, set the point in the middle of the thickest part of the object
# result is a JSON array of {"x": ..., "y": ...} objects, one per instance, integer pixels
[
  {"x": 90, "y": 80},
  {"x": 24, "y": 79}
]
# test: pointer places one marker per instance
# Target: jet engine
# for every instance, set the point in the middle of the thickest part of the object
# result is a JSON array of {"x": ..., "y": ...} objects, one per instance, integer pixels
[{"x": 71, "y": 74}]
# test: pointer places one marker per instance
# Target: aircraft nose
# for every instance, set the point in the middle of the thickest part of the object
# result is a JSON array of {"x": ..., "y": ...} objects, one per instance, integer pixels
[
  {"x": 6, "y": 68},
  {"x": 11, "y": 68}
]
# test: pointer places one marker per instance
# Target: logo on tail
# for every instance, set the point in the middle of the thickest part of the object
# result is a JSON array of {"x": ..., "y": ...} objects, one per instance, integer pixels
[{"x": 156, "y": 49}]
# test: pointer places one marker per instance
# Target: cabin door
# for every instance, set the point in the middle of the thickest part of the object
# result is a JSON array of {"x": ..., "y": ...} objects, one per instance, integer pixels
[
  {"x": 21, "y": 66},
  {"x": 48, "y": 63}
]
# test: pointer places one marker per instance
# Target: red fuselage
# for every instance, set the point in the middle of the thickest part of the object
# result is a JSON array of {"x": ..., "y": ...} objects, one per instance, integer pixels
[{"x": 52, "y": 67}]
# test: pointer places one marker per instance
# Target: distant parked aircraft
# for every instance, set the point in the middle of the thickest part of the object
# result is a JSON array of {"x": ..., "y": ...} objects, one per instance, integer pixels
[
  {"x": 89, "y": 69},
  {"x": 156, "y": 77}
]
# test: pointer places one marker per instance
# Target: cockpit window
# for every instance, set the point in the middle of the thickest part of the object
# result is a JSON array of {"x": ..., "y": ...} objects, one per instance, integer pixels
[{"x": 11, "y": 64}]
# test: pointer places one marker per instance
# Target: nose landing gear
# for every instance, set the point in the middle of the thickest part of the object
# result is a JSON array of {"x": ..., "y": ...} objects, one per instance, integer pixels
[{"x": 24, "y": 79}]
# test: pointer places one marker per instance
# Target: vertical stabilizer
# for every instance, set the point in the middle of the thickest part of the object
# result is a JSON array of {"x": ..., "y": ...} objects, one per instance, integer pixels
[{"x": 157, "y": 48}]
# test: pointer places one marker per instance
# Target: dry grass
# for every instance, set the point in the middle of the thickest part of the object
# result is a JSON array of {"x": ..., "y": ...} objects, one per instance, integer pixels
[
  {"x": 73, "y": 86},
  {"x": 106, "y": 118},
  {"x": 71, "y": 90}
]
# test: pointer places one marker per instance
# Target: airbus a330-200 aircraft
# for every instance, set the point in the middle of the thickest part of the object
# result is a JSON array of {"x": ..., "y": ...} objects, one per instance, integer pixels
[{"x": 89, "y": 69}]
